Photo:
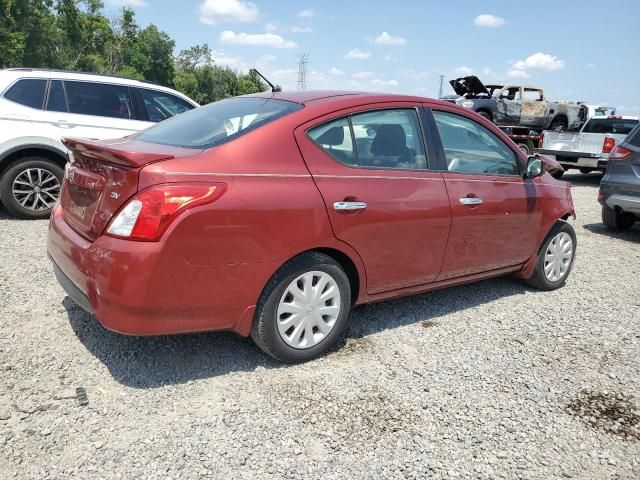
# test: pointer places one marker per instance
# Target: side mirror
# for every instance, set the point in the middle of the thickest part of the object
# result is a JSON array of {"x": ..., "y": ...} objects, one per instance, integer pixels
[{"x": 535, "y": 167}]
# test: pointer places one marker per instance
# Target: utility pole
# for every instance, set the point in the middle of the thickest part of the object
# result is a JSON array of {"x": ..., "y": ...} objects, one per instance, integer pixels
[
  {"x": 441, "y": 85},
  {"x": 303, "y": 61}
]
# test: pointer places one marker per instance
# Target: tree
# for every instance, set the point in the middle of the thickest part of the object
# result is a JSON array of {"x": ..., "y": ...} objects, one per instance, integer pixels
[
  {"x": 153, "y": 56},
  {"x": 198, "y": 77},
  {"x": 27, "y": 33},
  {"x": 76, "y": 35},
  {"x": 84, "y": 34},
  {"x": 250, "y": 83}
]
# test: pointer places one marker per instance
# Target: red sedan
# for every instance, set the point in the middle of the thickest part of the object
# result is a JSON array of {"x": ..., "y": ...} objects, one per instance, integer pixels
[{"x": 272, "y": 215}]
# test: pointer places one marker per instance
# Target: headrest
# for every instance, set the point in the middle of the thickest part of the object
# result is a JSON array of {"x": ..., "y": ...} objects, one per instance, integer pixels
[
  {"x": 333, "y": 136},
  {"x": 390, "y": 141}
]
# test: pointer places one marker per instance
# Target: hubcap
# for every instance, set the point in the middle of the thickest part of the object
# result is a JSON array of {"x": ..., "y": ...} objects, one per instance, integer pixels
[
  {"x": 36, "y": 189},
  {"x": 308, "y": 309},
  {"x": 557, "y": 260}
]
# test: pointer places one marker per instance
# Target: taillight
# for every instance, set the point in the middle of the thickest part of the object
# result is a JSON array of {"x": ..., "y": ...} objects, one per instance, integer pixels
[
  {"x": 150, "y": 212},
  {"x": 608, "y": 144},
  {"x": 620, "y": 153}
]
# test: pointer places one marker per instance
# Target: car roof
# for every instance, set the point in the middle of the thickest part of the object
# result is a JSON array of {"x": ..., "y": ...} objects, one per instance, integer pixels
[
  {"x": 308, "y": 97},
  {"x": 15, "y": 73}
]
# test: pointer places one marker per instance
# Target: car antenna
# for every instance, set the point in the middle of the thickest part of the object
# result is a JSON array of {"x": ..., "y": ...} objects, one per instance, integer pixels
[{"x": 274, "y": 88}]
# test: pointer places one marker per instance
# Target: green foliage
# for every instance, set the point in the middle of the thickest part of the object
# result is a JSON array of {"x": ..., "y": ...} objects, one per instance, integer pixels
[{"x": 76, "y": 35}]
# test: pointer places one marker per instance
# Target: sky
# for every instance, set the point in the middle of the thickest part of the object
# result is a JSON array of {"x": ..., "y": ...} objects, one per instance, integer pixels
[{"x": 582, "y": 51}]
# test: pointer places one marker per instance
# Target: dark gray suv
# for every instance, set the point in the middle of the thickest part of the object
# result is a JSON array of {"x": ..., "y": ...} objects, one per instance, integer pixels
[{"x": 620, "y": 187}]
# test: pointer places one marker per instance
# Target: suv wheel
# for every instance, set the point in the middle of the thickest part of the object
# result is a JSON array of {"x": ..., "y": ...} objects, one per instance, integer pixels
[
  {"x": 30, "y": 187},
  {"x": 617, "y": 221},
  {"x": 303, "y": 310},
  {"x": 555, "y": 258}
]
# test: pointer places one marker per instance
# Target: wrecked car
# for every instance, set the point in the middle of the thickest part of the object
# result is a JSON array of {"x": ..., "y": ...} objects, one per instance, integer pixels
[{"x": 516, "y": 105}]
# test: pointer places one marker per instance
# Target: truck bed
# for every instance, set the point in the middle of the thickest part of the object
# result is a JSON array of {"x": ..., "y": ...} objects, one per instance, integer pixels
[{"x": 576, "y": 142}]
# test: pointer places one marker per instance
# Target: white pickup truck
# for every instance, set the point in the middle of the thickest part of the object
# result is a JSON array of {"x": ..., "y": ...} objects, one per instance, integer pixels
[{"x": 589, "y": 148}]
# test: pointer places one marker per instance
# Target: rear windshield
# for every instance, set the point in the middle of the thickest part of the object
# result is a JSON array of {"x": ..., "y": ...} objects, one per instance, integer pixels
[
  {"x": 218, "y": 122},
  {"x": 610, "y": 125}
]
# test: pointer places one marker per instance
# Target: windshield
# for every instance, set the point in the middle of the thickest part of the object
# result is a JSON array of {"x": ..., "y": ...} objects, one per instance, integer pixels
[
  {"x": 218, "y": 122},
  {"x": 610, "y": 125},
  {"x": 494, "y": 89}
]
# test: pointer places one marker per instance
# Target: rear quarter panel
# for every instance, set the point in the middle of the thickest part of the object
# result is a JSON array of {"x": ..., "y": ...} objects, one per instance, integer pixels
[{"x": 271, "y": 211}]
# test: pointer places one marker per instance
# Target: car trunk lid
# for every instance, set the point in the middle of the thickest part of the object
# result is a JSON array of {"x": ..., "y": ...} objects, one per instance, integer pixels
[{"x": 102, "y": 176}]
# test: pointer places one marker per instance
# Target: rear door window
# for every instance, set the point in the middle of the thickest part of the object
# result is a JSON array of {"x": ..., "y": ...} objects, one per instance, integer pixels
[
  {"x": 28, "y": 92},
  {"x": 389, "y": 139},
  {"x": 383, "y": 139},
  {"x": 161, "y": 105},
  {"x": 218, "y": 122},
  {"x": 335, "y": 139},
  {"x": 99, "y": 99},
  {"x": 610, "y": 125}
]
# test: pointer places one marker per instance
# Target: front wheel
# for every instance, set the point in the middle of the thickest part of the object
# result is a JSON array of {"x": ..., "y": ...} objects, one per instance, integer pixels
[
  {"x": 555, "y": 258},
  {"x": 303, "y": 309},
  {"x": 30, "y": 187}
]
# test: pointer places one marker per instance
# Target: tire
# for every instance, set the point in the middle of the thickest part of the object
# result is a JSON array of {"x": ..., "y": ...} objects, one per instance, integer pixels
[
  {"x": 617, "y": 221},
  {"x": 525, "y": 148},
  {"x": 560, "y": 234},
  {"x": 586, "y": 171},
  {"x": 44, "y": 194},
  {"x": 269, "y": 331},
  {"x": 485, "y": 114},
  {"x": 558, "y": 125},
  {"x": 558, "y": 174}
]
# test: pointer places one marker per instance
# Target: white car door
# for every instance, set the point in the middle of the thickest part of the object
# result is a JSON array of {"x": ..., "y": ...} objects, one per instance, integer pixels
[{"x": 90, "y": 110}]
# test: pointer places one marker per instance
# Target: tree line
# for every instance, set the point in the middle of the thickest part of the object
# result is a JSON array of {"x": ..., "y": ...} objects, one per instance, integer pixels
[{"x": 77, "y": 35}]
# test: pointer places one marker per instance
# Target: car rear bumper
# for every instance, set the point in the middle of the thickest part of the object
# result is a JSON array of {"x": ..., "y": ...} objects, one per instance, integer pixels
[
  {"x": 74, "y": 293},
  {"x": 626, "y": 203},
  {"x": 576, "y": 159},
  {"x": 146, "y": 288}
]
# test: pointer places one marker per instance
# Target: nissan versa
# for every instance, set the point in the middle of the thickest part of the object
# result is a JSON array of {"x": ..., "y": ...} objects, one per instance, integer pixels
[{"x": 273, "y": 215}]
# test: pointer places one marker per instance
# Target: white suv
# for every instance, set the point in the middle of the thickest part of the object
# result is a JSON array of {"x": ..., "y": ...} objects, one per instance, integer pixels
[{"x": 39, "y": 107}]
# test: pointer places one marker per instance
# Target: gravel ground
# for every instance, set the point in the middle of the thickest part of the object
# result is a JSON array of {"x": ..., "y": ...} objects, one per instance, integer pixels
[{"x": 490, "y": 380}]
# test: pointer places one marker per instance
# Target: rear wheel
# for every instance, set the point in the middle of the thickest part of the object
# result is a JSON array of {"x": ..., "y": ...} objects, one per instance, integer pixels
[
  {"x": 303, "y": 309},
  {"x": 555, "y": 258},
  {"x": 485, "y": 114},
  {"x": 617, "y": 220},
  {"x": 586, "y": 170},
  {"x": 30, "y": 187},
  {"x": 525, "y": 148}
]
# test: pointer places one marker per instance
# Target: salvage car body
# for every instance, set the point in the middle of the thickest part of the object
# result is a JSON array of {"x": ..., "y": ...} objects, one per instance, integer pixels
[{"x": 515, "y": 105}]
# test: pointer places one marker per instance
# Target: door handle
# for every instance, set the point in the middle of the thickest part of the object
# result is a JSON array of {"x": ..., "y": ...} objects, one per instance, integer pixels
[
  {"x": 349, "y": 206},
  {"x": 471, "y": 201},
  {"x": 63, "y": 124}
]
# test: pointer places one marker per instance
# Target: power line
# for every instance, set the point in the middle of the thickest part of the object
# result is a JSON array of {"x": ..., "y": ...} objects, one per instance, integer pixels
[{"x": 303, "y": 61}]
